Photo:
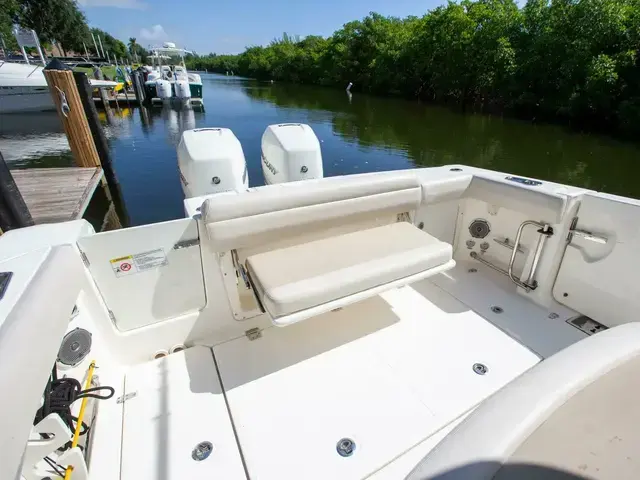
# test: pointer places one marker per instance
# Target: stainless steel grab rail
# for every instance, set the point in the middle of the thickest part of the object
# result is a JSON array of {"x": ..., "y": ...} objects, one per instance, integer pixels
[{"x": 530, "y": 283}]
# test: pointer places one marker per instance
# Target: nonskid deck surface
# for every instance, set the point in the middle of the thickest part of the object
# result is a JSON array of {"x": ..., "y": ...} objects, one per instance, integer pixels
[
  {"x": 386, "y": 373},
  {"x": 392, "y": 374}
]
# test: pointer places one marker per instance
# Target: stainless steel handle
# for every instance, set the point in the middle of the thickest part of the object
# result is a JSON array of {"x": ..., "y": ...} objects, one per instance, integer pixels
[
  {"x": 544, "y": 232},
  {"x": 590, "y": 236},
  {"x": 530, "y": 283},
  {"x": 586, "y": 234}
]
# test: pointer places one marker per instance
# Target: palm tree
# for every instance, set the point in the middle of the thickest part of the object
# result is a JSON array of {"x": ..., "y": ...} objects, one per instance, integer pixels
[{"x": 133, "y": 48}]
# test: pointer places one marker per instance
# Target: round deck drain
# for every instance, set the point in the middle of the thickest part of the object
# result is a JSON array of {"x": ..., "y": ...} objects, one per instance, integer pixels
[
  {"x": 202, "y": 451},
  {"x": 480, "y": 368},
  {"x": 345, "y": 447},
  {"x": 497, "y": 309}
]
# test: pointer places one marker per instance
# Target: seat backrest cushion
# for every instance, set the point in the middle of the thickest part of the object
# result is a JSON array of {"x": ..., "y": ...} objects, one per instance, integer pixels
[
  {"x": 267, "y": 214},
  {"x": 443, "y": 189}
]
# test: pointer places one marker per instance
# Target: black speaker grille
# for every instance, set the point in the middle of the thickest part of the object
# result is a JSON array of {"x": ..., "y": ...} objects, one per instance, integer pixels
[
  {"x": 75, "y": 346},
  {"x": 479, "y": 228}
]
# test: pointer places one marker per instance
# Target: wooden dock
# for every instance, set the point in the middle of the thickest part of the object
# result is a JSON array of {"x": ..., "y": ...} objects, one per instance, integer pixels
[
  {"x": 119, "y": 99},
  {"x": 57, "y": 194}
]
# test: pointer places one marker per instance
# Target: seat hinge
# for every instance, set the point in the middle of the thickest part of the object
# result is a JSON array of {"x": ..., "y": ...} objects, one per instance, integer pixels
[
  {"x": 253, "y": 333},
  {"x": 186, "y": 244},
  {"x": 403, "y": 217},
  {"x": 85, "y": 259},
  {"x": 126, "y": 396}
]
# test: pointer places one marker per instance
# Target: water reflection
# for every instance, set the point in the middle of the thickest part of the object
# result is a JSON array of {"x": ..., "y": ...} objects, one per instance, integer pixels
[
  {"x": 432, "y": 136},
  {"x": 357, "y": 134},
  {"x": 34, "y": 140},
  {"x": 175, "y": 120}
]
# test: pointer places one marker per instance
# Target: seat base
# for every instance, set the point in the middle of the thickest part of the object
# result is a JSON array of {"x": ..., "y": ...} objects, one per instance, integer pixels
[{"x": 290, "y": 282}]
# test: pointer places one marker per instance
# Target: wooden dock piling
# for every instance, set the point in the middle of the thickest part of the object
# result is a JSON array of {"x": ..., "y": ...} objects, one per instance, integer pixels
[
  {"x": 102, "y": 146},
  {"x": 97, "y": 74},
  {"x": 69, "y": 106},
  {"x": 100, "y": 140},
  {"x": 138, "y": 86},
  {"x": 83, "y": 131}
]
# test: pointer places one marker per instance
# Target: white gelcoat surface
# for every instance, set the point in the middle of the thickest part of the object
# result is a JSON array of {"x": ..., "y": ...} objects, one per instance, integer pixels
[
  {"x": 387, "y": 372},
  {"x": 179, "y": 403},
  {"x": 521, "y": 319},
  {"x": 600, "y": 280},
  {"x": 21, "y": 240},
  {"x": 393, "y": 372},
  {"x": 400, "y": 467},
  {"x": 156, "y": 294},
  {"x": 33, "y": 315}
]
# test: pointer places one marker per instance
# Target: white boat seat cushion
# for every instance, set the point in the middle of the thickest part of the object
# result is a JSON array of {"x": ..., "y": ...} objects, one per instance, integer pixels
[
  {"x": 268, "y": 214},
  {"x": 300, "y": 277}
]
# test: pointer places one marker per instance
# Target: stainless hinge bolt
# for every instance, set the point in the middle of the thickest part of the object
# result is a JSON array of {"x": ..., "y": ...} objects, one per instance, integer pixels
[
  {"x": 345, "y": 447},
  {"x": 480, "y": 368}
]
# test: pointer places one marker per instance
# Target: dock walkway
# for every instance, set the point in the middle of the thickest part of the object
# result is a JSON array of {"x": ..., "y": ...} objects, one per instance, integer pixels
[{"x": 57, "y": 194}]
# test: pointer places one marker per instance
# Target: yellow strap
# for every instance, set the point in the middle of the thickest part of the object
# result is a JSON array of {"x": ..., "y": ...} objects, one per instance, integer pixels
[{"x": 83, "y": 406}]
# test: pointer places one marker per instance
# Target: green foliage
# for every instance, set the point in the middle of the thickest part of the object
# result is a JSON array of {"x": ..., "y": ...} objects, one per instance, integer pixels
[
  {"x": 574, "y": 60},
  {"x": 110, "y": 44},
  {"x": 59, "y": 21},
  {"x": 136, "y": 51},
  {"x": 54, "y": 20},
  {"x": 8, "y": 12}
]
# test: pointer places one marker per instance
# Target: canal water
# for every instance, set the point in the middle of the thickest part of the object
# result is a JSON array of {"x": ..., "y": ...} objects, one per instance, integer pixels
[{"x": 357, "y": 134}]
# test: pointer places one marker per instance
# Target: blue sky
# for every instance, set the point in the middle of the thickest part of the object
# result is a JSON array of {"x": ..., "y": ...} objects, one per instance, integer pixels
[{"x": 227, "y": 26}]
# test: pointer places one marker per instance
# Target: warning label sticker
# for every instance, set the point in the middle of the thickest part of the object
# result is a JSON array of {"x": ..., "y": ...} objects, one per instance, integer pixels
[
  {"x": 139, "y": 262},
  {"x": 123, "y": 266}
]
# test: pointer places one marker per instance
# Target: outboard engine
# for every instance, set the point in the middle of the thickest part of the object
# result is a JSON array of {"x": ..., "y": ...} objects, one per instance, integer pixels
[
  {"x": 211, "y": 160},
  {"x": 183, "y": 92},
  {"x": 290, "y": 152},
  {"x": 163, "y": 90}
]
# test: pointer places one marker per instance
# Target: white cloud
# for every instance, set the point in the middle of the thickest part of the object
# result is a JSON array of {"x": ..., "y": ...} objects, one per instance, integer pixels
[
  {"x": 154, "y": 34},
  {"x": 130, "y": 4}
]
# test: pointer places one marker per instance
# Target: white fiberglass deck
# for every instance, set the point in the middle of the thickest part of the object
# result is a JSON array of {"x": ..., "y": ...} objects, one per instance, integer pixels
[
  {"x": 393, "y": 373},
  {"x": 388, "y": 373}
]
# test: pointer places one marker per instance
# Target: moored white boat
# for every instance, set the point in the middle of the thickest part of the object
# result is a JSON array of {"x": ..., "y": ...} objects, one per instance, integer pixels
[
  {"x": 168, "y": 80},
  {"x": 23, "y": 88},
  {"x": 383, "y": 326}
]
